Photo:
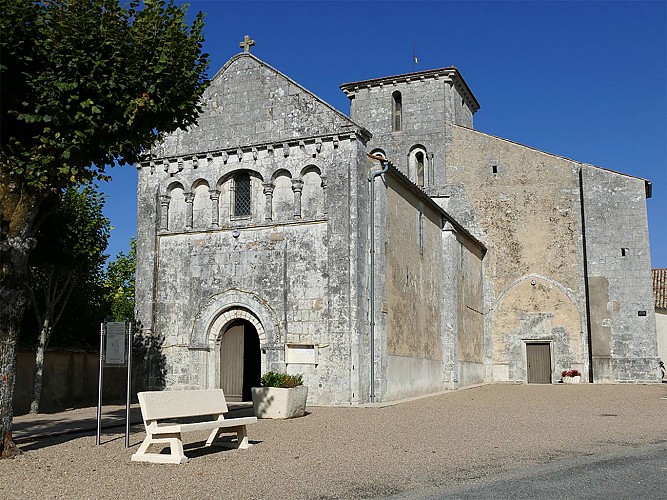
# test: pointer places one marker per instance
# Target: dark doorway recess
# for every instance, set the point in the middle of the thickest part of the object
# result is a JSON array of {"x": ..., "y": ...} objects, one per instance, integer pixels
[{"x": 240, "y": 360}]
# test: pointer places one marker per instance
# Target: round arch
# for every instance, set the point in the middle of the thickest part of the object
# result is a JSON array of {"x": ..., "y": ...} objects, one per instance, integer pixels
[
  {"x": 229, "y": 175},
  {"x": 217, "y": 314},
  {"x": 281, "y": 172},
  {"x": 200, "y": 182},
  {"x": 310, "y": 168},
  {"x": 235, "y": 304},
  {"x": 174, "y": 185}
]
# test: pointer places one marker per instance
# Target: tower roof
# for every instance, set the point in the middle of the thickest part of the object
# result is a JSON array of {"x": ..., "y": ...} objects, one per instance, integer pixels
[{"x": 450, "y": 73}]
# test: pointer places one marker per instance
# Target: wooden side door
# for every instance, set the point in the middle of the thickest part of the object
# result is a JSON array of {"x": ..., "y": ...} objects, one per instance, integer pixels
[
  {"x": 231, "y": 363},
  {"x": 538, "y": 357}
]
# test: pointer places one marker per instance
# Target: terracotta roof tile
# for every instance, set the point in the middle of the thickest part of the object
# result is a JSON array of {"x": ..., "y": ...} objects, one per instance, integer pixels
[{"x": 660, "y": 288}]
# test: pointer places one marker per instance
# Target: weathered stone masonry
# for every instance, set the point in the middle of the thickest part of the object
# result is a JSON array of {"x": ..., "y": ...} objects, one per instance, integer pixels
[{"x": 258, "y": 218}]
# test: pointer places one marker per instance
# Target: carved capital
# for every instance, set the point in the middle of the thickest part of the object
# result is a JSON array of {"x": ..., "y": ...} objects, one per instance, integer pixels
[
  {"x": 268, "y": 187},
  {"x": 297, "y": 185}
]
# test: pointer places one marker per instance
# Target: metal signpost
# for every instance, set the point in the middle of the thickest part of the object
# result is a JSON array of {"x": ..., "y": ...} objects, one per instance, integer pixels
[{"x": 115, "y": 351}]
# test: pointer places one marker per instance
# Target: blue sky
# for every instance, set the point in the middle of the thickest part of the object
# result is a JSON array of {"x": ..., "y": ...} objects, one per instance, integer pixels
[{"x": 582, "y": 79}]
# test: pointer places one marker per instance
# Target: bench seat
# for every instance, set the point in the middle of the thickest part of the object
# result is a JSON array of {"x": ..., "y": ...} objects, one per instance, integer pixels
[
  {"x": 205, "y": 426},
  {"x": 160, "y": 406}
]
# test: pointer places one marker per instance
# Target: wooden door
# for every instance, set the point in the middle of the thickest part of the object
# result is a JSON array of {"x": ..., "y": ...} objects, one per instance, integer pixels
[
  {"x": 538, "y": 357},
  {"x": 231, "y": 363}
]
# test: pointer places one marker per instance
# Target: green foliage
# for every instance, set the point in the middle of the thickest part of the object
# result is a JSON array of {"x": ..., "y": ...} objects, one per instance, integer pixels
[
  {"x": 119, "y": 284},
  {"x": 86, "y": 83},
  {"x": 74, "y": 236},
  {"x": 67, "y": 265},
  {"x": 284, "y": 380}
]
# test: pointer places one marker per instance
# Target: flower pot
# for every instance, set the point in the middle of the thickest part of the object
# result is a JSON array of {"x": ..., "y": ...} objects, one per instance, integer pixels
[
  {"x": 572, "y": 380},
  {"x": 278, "y": 402}
]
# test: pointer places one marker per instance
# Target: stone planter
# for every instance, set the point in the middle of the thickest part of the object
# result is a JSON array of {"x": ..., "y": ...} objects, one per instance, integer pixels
[
  {"x": 277, "y": 402},
  {"x": 572, "y": 380}
]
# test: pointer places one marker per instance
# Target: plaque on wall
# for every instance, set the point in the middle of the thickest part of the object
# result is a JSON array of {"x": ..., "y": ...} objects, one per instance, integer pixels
[{"x": 301, "y": 354}]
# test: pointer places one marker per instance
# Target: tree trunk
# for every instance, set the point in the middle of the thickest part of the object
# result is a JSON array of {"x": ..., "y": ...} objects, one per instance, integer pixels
[
  {"x": 44, "y": 335},
  {"x": 11, "y": 313},
  {"x": 19, "y": 220}
]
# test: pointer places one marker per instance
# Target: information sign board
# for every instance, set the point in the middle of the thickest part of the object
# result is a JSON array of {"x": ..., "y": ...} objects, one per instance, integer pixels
[{"x": 115, "y": 349}]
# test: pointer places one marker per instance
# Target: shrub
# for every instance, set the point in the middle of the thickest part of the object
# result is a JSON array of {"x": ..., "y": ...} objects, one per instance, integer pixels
[
  {"x": 284, "y": 380},
  {"x": 570, "y": 373}
]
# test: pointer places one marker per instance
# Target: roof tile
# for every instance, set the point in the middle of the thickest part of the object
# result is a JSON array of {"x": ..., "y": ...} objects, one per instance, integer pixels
[{"x": 660, "y": 288}]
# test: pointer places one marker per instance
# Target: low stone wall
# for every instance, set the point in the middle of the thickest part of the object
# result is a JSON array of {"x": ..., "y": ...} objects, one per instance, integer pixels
[{"x": 70, "y": 379}]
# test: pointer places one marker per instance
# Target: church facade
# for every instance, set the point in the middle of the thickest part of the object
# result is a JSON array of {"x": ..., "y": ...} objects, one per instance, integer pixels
[{"x": 388, "y": 254}]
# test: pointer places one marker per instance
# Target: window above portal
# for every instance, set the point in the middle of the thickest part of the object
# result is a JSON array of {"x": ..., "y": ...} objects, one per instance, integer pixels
[{"x": 242, "y": 196}]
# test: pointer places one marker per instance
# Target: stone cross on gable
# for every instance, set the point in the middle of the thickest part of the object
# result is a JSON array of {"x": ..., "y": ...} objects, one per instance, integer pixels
[{"x": 247, "y": 43}]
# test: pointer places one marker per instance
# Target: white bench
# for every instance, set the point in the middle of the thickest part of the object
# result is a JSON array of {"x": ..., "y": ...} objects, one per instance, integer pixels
[{"x": 158, "y": 406}]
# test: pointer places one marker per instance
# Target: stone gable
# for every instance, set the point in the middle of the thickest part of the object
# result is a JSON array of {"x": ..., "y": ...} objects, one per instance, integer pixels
[{"x": 249, "y": 102}]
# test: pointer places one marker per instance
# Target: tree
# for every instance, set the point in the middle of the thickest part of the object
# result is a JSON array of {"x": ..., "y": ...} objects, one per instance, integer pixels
[
  {"x": 69, "y": 253},
  {"x": 85, "y": 83},
  {"x": 119, "y": 282}
]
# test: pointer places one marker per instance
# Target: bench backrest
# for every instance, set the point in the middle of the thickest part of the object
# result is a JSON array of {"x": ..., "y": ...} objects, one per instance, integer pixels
[{"x": 157, "y": 405}]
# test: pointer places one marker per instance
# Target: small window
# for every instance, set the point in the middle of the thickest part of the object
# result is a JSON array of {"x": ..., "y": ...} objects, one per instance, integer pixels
[
  {"x": 419, "y": 158},
  {"x": 494, "y": 169},
  {"x": 397, "y": 111},
  {"x": 417, "y": 164},
  {"x": 624, "y": 252},
  {"x": 242, "y": 195}
]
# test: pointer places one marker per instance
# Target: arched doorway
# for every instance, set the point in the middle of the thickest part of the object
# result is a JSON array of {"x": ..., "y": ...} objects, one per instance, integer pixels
[{"x": 240, "y": 360}]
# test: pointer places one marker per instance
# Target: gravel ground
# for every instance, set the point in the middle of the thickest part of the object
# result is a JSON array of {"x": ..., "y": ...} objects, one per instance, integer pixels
[{"x": 355, "y": 452}]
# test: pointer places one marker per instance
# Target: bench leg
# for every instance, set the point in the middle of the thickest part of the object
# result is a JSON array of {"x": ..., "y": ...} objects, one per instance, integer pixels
[
  {"x": 241, "y": 435},
  {"x": 176, "y": 455},
  {"x": 215, "y": 433}
]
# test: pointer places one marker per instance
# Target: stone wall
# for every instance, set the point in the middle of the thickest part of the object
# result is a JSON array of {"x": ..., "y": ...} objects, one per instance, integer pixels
[
  {"x": 470, "y": 312},
  {"x": 661, "y": 328},
  {"x": 70, "y": 378},
  {"x": 248, "y": 101},
  {"x": 296, "y": 261},
  {"x": 527, "y": 205},
  {"x": 414, "y": 293},
  {"x": 624, "y": 345}
]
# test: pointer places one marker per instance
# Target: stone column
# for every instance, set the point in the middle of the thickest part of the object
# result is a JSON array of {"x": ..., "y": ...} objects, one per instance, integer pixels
[
  {"x": 164, "y": 212},
  {"x": 268, "y": 192},
  {"x": 297, "y": 187},
  {"x": 189, "y": 199},
  {"x": 215, "y": 207},
  {"x": 324, "y": 194}
]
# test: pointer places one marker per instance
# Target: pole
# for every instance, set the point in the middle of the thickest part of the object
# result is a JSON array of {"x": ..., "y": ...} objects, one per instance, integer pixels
[
  {"x": 385, "y": 167},
  {"x": 129, "y": 384},
  {"x": 99, "y": 388}
]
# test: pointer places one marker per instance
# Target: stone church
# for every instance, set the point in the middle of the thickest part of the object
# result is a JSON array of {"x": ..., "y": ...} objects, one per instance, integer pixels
[{"x": 384, "y": 255}]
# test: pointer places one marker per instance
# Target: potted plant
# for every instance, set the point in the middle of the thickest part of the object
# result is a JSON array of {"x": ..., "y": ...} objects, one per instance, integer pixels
[
  {"x": 280, "y": 396},
  {"x": 571, "y": 376}
]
